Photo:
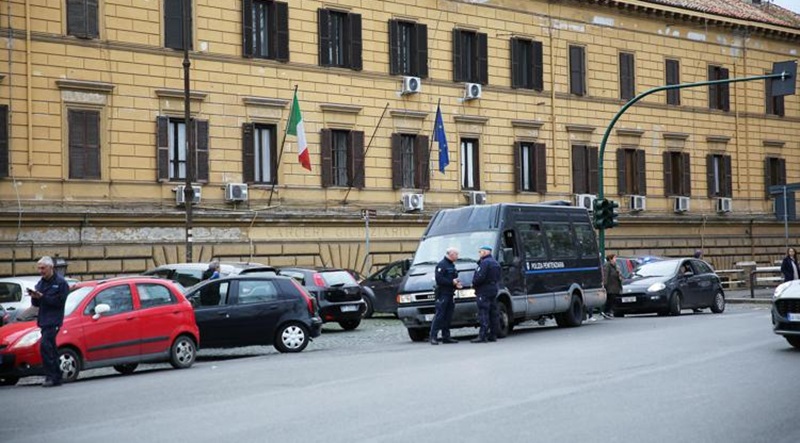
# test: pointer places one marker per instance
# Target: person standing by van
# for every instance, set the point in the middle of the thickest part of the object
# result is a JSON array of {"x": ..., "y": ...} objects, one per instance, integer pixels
[
  {"x": 486, "y": 284},
  {"x": 613, "y": 283},
  {"x": 789, "y": 267},
  {"x": 446, "y": 284}
]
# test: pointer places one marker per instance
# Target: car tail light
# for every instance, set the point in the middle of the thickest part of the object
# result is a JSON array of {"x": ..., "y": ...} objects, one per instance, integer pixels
[
  {"x": 310, "y": 302},
  {"x": 318, "y": 280}
]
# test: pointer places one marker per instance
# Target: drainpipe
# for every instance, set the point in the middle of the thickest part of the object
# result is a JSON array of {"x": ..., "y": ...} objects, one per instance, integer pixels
[
  {"x": 552, "y": 92},
  {"x": 29, "y": 86}
]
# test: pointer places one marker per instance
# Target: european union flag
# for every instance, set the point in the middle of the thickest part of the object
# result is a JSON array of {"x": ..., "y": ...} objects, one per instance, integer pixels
[{"x": 439, "y": 136}]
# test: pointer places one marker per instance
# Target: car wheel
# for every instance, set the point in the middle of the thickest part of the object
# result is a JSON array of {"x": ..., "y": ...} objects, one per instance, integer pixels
[
  {"x": 70, "y": 363},
  {"x": 793, "y": 340},
  {"x": 126, "y": 369},
  {"x": 291, "y": 337},
  {"x": 675, "y": 304},
  {"x": 182, "y": 353},
  {"x": 369, "y": 310},
  {"x": 718, "y": 307},
  {"x": 573, "y": 317},
  {"x": 504, "y": 318},
  {"x": 349, "y": 325},
  {"x": 8, "y": 381},
  {"x": 418, "y": 334}
]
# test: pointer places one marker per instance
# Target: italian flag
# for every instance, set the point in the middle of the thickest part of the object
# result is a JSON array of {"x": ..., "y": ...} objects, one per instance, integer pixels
[{"x": 298, "y": 129}]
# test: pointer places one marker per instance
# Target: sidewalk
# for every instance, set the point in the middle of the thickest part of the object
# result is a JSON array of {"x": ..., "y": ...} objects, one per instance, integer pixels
[{"x": 762, "y": 295}]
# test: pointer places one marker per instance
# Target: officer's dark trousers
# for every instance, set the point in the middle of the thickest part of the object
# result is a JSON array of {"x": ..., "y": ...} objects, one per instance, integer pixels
[
  {"x": 47, "y": 346},
  {"x": 444, "y": 315},
  {"x": 487, "y": 316}
]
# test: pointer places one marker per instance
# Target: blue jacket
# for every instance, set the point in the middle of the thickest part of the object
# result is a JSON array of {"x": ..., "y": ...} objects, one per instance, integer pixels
[
  {"x": 445, "y": 274},
  {"x": 486, "y": 280},
  {"x": 786, "y": 268},
  {"x": 51, "y": 304}
]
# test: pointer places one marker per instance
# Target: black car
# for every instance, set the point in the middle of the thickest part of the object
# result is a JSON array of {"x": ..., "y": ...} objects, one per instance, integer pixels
[
  {"x": 190, "y": 274},
  {"x": 254, "y": 310},
  {"x": 669, "y": 286},
  {"x": 383, "y": 286},
  {"x": 338, "y": 294}
]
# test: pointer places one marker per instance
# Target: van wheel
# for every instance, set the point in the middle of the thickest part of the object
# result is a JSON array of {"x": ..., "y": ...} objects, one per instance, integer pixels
[
  {"x": 675, "y": 304},
  {"x": 182, "y": 353},
  {"x": 793, "y": 340},
  {"x": 718, "y": 307},
  {"x": 573, "y": 317},
  {"x": 126, "y": 369},
  {"x": 418, "y": 334},
  {"x": 504, "y": 317},
  {"x": 70, "y": 363},
  {"x": 349, "y": 325}
]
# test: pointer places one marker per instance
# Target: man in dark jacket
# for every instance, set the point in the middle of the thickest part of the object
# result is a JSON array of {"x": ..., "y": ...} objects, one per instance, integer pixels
[
  {"x": 49, "y": 296},
  {"x": 613, "y": 284},
  {"x": 486, "y": 283},
  {"x": 446, "y": 284}
]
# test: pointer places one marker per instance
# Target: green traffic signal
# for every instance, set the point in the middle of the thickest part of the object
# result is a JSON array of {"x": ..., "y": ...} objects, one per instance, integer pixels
[
  {"x": 611, "y": 221},
  {"x": 605, "y": 214}
]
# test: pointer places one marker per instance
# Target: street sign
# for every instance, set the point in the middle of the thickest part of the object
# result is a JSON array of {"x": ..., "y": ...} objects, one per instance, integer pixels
[
  {"x": 369, "y": 213},
  {"x": 785, "y": 85}
]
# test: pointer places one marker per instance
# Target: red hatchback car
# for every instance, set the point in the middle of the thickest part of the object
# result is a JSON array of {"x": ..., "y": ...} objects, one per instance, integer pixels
[{"x": 119, "y": 322}]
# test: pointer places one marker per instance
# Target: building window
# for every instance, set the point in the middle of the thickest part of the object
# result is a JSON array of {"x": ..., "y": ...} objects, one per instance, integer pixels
[
  {"x": 82, "y": 18},
  {"x": 577, "y": 70},
  {"x": 84, "y": 144},
  {"x": 470, "y": 164},
  {"x": 527, "y": 64},
  {"x": 584, "y": 169},
  {"x": 774, "y": 105},
  {"x": 673, "y": 77},
  {"x": 171, "y": 141},
  {"x": 627, "y": 76},
  {"x": 470, "y": 57},
  {"x": 4, "y": 146},
  {"x": 259, "y": 153},
  {"x": 677, "y": 174},
  {"x": 774, "y": 172},
  {"x": 340, "y": 39},
  {"x": 342, "y": 158},
  {"x": 719, "y": 174},
  {"x": 177, "y": 149},
  {"x": 173, "y": 24},
  {"x": 410, "y": 161},
  {"x": 265, "y": 29},
  {"x": 631, "y": 175},
  {"x": 719, "y": 95},
  {"x": 530, "y": 167},
  {"x": 408, "y": 48}
]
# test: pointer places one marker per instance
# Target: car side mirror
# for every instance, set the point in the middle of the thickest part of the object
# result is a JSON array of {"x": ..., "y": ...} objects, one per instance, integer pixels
[{"x": 99, "y": 310}]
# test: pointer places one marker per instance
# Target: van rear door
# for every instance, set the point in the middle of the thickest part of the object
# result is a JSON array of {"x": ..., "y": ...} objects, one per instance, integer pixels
[{"x": 533, "y": 254}]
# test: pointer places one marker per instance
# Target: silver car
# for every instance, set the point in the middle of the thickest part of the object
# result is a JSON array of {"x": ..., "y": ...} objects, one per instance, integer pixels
[
  {"x": 14, "y": 293},
  {"x": 786, "y": 312}
]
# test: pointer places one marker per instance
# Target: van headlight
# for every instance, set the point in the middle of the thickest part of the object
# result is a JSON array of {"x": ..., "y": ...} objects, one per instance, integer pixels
[
  {"x": 28, "y": 339},
  {"x": 781, "y": 289},
  {"x": 405, "y": 298},
  {"x": 465, "y": 293},
  {"x": 657, "y": 287}
]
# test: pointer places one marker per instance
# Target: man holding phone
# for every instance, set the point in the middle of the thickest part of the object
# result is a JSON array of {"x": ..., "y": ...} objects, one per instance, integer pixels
[
  {"x": 50, "y": 296},
  {"x": 446, "y": 284}
]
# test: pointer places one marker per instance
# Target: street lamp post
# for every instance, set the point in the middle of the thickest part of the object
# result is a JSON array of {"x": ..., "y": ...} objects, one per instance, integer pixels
[{"x": 188, "y": 190}]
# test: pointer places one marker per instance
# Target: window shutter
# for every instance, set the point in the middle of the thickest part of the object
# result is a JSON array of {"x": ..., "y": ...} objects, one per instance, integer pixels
[
  {"x": 725, "y": 91},
  {"x": 767, "y": 174},
  {"x": 394, "y": 50},
  {"x": 668, "y": 174},
  {"x": 354, "y": 43},
  {"x": 76, "y": 18},
  {"x": 77, "y": 138},
  {"x": 641, "y": 171},
  {"x": 769, "y": 101},
  {"x": 579, "y": 169},
  {"x": 483, "y": 58},
  {"x": 538, "y": 66},
  {"x": 593, "y": 170},
  {"x": 518, "y": 178},
  {"x": 782, "y": 171},
  {"x": 397, "y": 162},
  {"x": 356, "y": 158},
  {"x": 622, "y": 177},
  {"x": 780, "y": 109},
  {"x": 686, "y": 174},
  {"x": 248, "y": 153},
  {"x": 201, "y": 150},
  {"x": 273, "y": 154},
  {"x": 281, "y": 37},
  {"x": 323, "y": 22},
  {"x": 626, "y": 80},
  {"x": 458, "y": 73},
  {"x": 673, "y": 78},
  {"x": 91, "y": 145},
  {"x": 173, "y": 24},
  {"x": 713, "y": 90},
  {"x": 728, "y": 181},
  {"x": 516, "y": 77},
  {"x": 576, "y": 79},
  {"x": 247, "y": 28},
  {"x": 476, "y": 163},
  {"x": 711, "y": 176},
  {"x": 422, "y": 158},
  {"x": 92, "y": 28},
  {"x": 421, "y": 40},
  {"x": 162, "y": 147},
  {"x": 4, "y": 142},
  {"x": 541, "y": 167},
  {"x": 326, "y": 157}
]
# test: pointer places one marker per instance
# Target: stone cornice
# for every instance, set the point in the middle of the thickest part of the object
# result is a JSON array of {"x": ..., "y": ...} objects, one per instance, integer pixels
[
  {"x": 676, "y": 135},
  {"x": 178, "y": 93},
  {"x": 580, "y": 128},
  {"x": 471, "y": 119},
  {"x": 527, "y": 124},
  {"x": 83, "y": 85},
  {"x": 344, "y": 109},
  {"x": 774, "y": 143},
  {"x": 630, "y": 132},
  {"x": 718, "y": 139},
  {"x": 402, "y": 113},
  {"x": 265, "y": 102}
]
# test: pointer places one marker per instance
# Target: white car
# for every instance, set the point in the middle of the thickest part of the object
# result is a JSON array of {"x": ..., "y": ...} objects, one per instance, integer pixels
[
  {"x": 14, "y": 292},
  {"x": 786, "y": 312}
]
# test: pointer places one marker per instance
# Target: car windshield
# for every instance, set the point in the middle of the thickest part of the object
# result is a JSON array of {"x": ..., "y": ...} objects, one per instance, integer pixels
[
  {"x": 657, "y": 269},
  {"x": 338, "y": 278},
  {"x": 432, "y": 249},
  {"x": 75, "y": 298}
]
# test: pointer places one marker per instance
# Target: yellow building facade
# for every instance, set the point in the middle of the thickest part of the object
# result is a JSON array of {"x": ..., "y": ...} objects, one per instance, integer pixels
[{"x": 93, "y": 97}]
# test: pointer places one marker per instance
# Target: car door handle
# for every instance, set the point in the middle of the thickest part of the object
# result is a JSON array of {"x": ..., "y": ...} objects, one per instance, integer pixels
[{"x": 130, "y": 318}]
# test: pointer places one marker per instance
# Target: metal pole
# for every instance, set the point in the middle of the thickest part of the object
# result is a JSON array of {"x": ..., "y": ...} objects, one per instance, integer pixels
[
  {"x": 280, "y": 152},
  {"x": 188, "y": 190},
  {"x": 785, "y": 219},
  {"x": 368, "y": 259}
]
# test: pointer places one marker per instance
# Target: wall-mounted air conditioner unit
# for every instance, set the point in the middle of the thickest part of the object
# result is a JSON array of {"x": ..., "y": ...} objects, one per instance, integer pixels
[
  {"x": 585, "y": 201},
  {"x": 472, "y": 91},
  {"x": 236, "y": 192},
  {"x": 638, "y": 203},
  {"x": 180, "y": 197},
  {"x": 681, "y": 204},
  {"x": 476, "y": 197},
  {"x": 724, "y": 205},
  {"x": 413, "y": 202},
  {"x": 411, "y": 85}
]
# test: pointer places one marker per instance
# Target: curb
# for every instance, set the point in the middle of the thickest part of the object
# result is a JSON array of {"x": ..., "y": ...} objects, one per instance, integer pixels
[{"x": 755, "y": 301}]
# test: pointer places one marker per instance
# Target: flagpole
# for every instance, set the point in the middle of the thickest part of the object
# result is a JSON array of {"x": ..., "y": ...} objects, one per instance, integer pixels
[
  {"x": 280, "y": 153},
  {"x": 433, "y": 136},
  {"x": 350, "y": 187}
]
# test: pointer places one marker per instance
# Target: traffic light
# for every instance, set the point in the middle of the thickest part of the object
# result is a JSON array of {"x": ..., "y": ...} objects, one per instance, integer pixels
[
  {"x": 611, "y": 221},
  {"x": 599, "y": 213},
  {"x": 605, "y": 214}
]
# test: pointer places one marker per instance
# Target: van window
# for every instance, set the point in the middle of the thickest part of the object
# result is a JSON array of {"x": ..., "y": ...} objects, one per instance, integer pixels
[
  {"x": 530, "y": 235},
  {"x": 559, "y": 237},
  {"x": 587, "y": 245}
]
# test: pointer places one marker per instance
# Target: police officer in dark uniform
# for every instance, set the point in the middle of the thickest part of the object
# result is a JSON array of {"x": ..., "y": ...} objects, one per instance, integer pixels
[
  {"x": 446, "y": 284},
  {"x": 49, "y": 296},
  {"x": 486, "y": 284}
]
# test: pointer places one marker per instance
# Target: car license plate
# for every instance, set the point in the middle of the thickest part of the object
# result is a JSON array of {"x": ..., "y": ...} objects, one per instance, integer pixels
[
  {"x": 349, "y": 308},
  {"x": 429, "y": 317},
  {"x": 794, "y": 317},
  {"x": 628, "y": 299}
]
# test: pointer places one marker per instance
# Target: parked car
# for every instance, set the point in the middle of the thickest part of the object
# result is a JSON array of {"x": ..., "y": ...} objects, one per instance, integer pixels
[
  {"x": 14, "y": 293},
  {"x": 119, "y": 322},
  {"x": 627, "y": 265},
  {"x": 338, "y": 295},
  {"x": 670, "y": 286},
  {"x": 248, "y": 310},
  {"x": 190, "y": 274},
  {"x": 5, "y": 317},
  {"x": 786, "y": 312},
  {"x": 383, "y": 286},
  {"x": 259, "y": 270}
]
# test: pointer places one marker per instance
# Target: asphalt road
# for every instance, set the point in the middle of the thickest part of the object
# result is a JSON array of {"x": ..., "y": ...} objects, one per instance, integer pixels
[{"x": 695, "y": 378}]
